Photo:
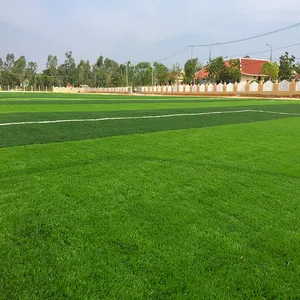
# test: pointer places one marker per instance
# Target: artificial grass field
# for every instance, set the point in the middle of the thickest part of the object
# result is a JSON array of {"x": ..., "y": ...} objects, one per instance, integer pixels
[{"x": 185, "y": 207}]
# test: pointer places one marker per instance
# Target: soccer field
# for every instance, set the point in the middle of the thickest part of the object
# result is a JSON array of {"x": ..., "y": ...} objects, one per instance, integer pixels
[{"x": 128, "y": 197}]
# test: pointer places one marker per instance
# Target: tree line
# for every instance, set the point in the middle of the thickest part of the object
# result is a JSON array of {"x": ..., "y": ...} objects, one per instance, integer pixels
[{"x": 106, "y": 72}]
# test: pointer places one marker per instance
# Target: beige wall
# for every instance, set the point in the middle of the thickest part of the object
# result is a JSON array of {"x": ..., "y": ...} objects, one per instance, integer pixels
[
  {"x": 244, "y": 78},
  {"x": 266, "y": 89}
]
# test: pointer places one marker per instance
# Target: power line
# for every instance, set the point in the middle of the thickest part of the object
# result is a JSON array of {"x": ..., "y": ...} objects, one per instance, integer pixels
[
  {"x": 265, "y": 51},
  {"x": 257, "y": 52},
  {"x": 249, "y": 38},
  {"x": 176, "y": 53},
  {"x": 235, "y": 41}
]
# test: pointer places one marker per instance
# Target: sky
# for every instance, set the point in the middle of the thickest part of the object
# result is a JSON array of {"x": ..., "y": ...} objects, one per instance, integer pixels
[{"x": 145, "y": 30}]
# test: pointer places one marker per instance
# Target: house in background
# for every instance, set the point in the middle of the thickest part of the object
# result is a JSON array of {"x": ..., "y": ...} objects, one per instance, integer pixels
[{"x": 250, "y": 69}]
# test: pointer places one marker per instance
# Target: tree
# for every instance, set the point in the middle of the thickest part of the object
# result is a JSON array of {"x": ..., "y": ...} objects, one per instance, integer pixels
[
  {"x": 190, "y": 69},
  {"x": 113, "y": 72},
  {"x": 70, "y": 67},
  {"x": 44, "y": 81},
  {"x": 216, "y": 69},
  {"x": 286, "y": 66},
  {"x": 1, "y": 65},
  {"x": 9, "y": 79},
  {"x": 161, "y": 73},
  {"x": 51, "y": 66},
  {"x": 52, "y": 70},
  {"x": 233, "y": 71},
  {"x": 99, "y": 62},
  {"x": 19, "y": 68},
  {"x": 84, "y": 73},
  {"x": 9, "y": 62},
  {"x": 99, "y": 73},
  {"x": 175, "y": 73},
  {"x": 297, "y": 68},
  {"x": 142, "y": 74},
  {"x": 219, "y": 71},
  {"x": 270, "y": 69},
  {"x": 62, "y": 76},
  {"x": 31, "y": 71}
]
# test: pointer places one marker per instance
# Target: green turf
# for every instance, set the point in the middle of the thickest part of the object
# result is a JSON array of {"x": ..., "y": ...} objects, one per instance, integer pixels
[{"x": 203, "y": 207}]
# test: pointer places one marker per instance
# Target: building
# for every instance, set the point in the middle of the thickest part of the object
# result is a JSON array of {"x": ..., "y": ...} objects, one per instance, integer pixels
[{"x": 250, "y": 69}]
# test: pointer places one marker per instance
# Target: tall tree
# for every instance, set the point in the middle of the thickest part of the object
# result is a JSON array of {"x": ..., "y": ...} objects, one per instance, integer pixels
[
  {"x": 175, "y": 73},
  {"x": 99, "y": 73},
  {"x": 219, "y": 71},
  {"x": 233, "y": 71},
  {"x": 286, "y": 66},
  {"x": 142, "y": 74},
  {"x": 9, "y": 62},
  {"x": 84, "y": 73},
  {"x": 216, "y": 69},
  {"x": 31, "y": 73},
  {"x": 19, "y": 68},
  {"x": 51, "y": 65},
  {"x": 161, "y": 73},
  {"x": 270, "y": 69},
  {"x": 1, "y": 64},
  {"x": 113, "y": 72},
  {"x": 19, "y": 65},
  {"x": 100, "y": 62},
  {"x": 62, "y": 76},
  {"x": 70, "y": 67},
  {"x": 190, "y": 69}
]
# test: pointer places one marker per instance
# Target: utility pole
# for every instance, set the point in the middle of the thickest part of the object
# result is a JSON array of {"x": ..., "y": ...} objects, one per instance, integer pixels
[
  {"x": 271, "y": 55},
  {"x": 210, "y": 51},
  {"x": 192, "y": 51},
  {"x": 127, "y": 74},
  {"x": 153, "y": 72}
]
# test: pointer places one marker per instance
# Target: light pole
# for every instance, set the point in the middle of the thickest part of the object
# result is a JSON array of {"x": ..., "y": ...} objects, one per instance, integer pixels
[
  {"x": 192, "y": 50},
  {"x": 153, "y": 71},
  {"x": 271, "y": 48},
  {"x": 210, "y": 50},
  {"x": 127, "y": 74}
]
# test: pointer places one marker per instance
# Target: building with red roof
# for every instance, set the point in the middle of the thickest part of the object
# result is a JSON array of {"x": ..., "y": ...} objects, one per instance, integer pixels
[{"x": 250, "y": 69}]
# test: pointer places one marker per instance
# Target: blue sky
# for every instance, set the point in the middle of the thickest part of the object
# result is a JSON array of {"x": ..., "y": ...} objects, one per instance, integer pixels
[{"x": 139, "y": 30}]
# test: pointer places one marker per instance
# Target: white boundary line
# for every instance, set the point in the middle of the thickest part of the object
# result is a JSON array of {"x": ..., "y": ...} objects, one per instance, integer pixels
[{"x": 148, "y": 117}]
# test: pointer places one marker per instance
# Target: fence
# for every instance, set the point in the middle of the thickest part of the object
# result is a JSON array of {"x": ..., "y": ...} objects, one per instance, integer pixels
[
  {"x": 7, "y": 88},
  {"x": 117, "y": 90},
  {"x": 269, "y": 88},
  {"x": 261, "y": 89}
]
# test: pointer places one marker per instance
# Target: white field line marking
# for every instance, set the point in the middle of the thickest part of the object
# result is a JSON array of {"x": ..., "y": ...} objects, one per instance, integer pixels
[
  {"x": 148, "y": 117},
  {"x": 276, "y": 112}
]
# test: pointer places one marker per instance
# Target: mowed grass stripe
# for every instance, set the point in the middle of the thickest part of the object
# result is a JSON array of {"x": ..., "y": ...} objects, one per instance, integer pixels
[
  {"x": 40, "y": 116},
  {"x": 124, "y": 101},
  {"x": 133, "y": 97},
  {"x": 113, "y": 107},
  {"x": 147, "y": 117},
  {"x": 29, "y": 97},
  {"x": 209, "y": 214},
  {"x": 16, "y": 135},
  {"x": 4, "y": 109}
]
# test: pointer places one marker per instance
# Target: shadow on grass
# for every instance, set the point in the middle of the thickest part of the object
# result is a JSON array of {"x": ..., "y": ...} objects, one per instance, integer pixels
[{"x": 61, "y": 132}]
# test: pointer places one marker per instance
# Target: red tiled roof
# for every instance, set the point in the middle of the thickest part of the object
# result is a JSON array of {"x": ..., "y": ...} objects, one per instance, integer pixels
[
  {"x": 252, "y": 66},
  {"x": 249, "y": 66}
]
